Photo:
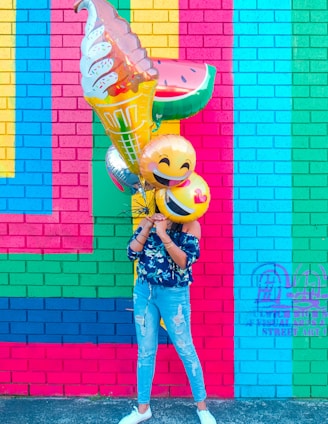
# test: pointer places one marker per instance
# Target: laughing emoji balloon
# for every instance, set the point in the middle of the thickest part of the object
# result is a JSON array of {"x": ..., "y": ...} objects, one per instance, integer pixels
[
  {"x": 186, "y": 202},
  {"x": 167, "y": 160}
]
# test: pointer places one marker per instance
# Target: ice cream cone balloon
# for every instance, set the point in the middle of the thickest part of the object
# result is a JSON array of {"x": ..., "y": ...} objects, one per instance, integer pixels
[{"x": 118, "y": 79}]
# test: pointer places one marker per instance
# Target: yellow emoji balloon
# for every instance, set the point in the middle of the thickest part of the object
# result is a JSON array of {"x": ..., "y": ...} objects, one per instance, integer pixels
[
  {"x": 167, "y": 160},
  {"x": 185, "y": 202}
]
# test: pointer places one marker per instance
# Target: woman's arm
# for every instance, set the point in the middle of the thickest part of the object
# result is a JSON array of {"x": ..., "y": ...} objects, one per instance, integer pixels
[
  {"x": 177, "y": 254},
  {"x": 137, "y": 243}
]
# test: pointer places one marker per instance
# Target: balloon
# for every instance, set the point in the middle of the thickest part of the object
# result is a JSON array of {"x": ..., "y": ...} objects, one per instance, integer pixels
[
  {"x": 119, "y": 172},
  {"x": 118, "y": 79},
  {"x": 184, "y": 88},
  {"x": 167, "y": 160},
  {"x": 185, "y": 202}
]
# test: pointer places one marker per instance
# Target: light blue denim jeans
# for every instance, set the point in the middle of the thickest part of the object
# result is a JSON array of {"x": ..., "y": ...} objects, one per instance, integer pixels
[{"x": 173, "y": 305}]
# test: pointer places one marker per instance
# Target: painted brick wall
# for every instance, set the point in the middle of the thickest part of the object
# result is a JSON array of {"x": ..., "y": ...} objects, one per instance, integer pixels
[
  {"x": 260, "y": 295},
  {"x": 66, "y": 323},
  {"x": 280, "y": 207}
]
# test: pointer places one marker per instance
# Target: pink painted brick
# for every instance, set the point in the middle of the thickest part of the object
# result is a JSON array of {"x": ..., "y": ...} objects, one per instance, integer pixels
[
  {"x": 12, "y": 242},
  {"x": 86, "y": 229},
  {"x": 5, "y": 377},
  {"x": 76, "y": 140},
  {"x": 67, "y": 351},
  {"x": 56, "y": 42},
  {"x": 31, "y": 377},
  {"x": 72, "y": 91},
  {"x": 68, "y": 153},
  {"x": 68, "y": 192},
  {"x": 66, "y": 28},
  {"x": 180, "y": 391},
  {"x": 116, "y": 391},
  {"x": 100, "y": 378},
  {"x": 47, "y": 390},
  {"x": 57, "y": 16},
  {"x": 64, "y": 377},
  {"x": 65, "y": 229},
  {"x": 84, "y": 154},
  {"x": 67, "y": 78},
  {"x": 3, "y": 229},
  {"x": 70, "y": 16},
  {"x": 83, "y": 129},
  {"x": 14, "y": 364},
  {"x": 72, "y": 40},
  {"x": 160, "y": 391},
  {"x": 71, "y": 66},
  {"x": 14, "y": 389},
  {"x": 209, "y": 4},
  {"x": 85, "y": 205},
  {"x": 70, "y": 166},
  {"x": 78, "y": 217},
  {"x": 208, "y": 29},
  {"x": 78, "y": 365},
  {"x": 65, "y": 53},
  {"x": 60, "y": 128},
  {"x": 65, "y": 179},
  {"x": 46, "y": 364},
  {"x": 59, "y": 4},
  {"x": 217, "y": 16},
  {"x": 35, "y": 242},
  {"x": 79, "y": 243},
  {"x": 81, "y": 390},
  {"x": 99, "y": 352},
  {"x": 190, "y": 15},
  {"x": 64, "y": 103},
  {"x": 74, "y": 116},
  {"x": 24, "y": 229}
]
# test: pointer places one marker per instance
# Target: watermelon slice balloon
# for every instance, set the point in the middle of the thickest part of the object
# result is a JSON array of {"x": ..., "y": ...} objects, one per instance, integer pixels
[{"x": 183, "y": 89}]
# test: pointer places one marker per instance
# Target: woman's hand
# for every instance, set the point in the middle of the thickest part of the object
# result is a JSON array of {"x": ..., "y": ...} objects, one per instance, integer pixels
[{"x": 160, "y": 223}]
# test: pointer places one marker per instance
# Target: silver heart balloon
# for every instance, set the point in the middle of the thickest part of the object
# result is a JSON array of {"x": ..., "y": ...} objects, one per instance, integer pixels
[{"x": 119, "y": 172}]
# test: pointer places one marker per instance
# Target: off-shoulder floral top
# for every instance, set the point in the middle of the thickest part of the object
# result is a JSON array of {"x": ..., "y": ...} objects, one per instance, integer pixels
[{"x": 155, "y": 266}]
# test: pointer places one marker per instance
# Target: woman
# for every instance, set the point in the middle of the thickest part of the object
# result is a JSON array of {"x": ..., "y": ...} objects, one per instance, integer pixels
[{"x": 165, "y": 252}]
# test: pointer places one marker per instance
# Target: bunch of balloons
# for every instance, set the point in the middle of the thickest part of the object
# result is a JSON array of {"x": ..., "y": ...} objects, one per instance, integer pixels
[{"x": 132, "y": 94}]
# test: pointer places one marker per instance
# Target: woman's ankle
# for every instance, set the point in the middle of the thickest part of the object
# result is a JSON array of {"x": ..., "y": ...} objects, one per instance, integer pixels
[
  {"x": 201, "y": 405},
  {"x": 143, "y": 407}
]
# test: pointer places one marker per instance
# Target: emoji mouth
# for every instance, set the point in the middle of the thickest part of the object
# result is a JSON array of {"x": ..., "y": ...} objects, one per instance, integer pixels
[
  {"x": 176, "y": 207},
  {"x": 165, "y": 181}
]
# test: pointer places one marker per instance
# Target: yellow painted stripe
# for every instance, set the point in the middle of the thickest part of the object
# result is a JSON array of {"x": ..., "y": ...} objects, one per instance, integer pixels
[
  {"x": 156, "y": 22},
  {"x": 7, "y": 88}
]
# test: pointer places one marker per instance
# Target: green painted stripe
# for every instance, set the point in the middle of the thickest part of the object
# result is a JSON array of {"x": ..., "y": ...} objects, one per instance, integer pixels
[{"x": 310, "y": 199}]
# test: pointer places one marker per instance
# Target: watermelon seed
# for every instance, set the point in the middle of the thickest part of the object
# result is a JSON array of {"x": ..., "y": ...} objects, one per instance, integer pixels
[
  {"x": 183, "y": 78},
  {"x": 193, "y": 70}
]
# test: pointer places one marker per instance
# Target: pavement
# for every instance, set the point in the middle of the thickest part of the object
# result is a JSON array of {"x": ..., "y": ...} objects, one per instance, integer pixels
[{"x": 99, "y": 410}]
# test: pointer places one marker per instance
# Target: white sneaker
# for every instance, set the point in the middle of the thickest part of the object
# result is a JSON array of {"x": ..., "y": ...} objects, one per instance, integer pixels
[
  {"x": 206, "y": 417},
  {"x": 135, "y": 417}
]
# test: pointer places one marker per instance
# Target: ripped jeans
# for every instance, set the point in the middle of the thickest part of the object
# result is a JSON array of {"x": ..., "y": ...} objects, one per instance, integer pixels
[{"x": 173, "y": 305}]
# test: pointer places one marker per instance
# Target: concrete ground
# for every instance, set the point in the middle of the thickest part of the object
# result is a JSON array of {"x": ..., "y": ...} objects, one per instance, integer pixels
[{"x": 165, "y": 411}]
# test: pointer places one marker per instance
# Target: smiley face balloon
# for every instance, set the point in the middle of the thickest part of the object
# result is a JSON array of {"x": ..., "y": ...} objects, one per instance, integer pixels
[
  {"x": 167, "y": 160},
  {"x": 185, "y": 202}
]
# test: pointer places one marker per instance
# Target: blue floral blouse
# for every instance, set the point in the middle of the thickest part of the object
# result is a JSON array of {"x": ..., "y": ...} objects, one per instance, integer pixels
[{"x": 155, "y": 266}]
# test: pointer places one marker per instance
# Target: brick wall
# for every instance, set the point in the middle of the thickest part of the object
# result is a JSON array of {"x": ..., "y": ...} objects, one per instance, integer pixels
[{"x": 259, "y": 299}]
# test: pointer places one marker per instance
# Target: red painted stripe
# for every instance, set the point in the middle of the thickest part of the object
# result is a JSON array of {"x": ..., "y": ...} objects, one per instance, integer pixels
[
  {"x": 88, "y": 370},
  {"x": 206, "y": 37}
]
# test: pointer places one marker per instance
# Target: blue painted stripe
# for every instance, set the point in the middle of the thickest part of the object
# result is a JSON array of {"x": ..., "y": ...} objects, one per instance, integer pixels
[
  {"x": 68, "y": 320},
  {"x": 30, "y": 191},
  {"x": 262, "y": 193}
]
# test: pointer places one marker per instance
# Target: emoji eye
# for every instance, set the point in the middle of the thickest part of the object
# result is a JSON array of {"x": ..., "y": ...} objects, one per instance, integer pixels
[
  {"x": 165, "y": 160},
  {"x": 185, "y": 165}
]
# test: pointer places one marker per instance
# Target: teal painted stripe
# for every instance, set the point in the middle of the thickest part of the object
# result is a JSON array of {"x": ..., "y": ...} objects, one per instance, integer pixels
[{"x": 262, "y": 198}]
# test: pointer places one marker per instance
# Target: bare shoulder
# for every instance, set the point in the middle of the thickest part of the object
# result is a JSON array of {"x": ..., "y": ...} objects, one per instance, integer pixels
[{"x": 193, "y": 228}]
